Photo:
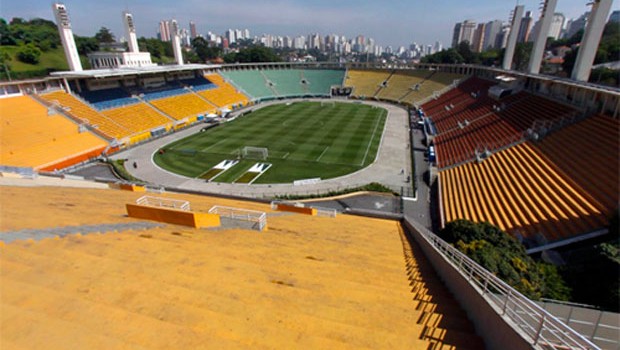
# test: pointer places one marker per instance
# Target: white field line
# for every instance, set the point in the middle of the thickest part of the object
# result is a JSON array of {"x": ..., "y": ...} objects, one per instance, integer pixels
[
  {"x": 286, "y": 155},
  {"x": 259, "y": 175},
  {"x": 322, "y": 154},
  {"x": 371, "y": 138},
  {"x": 213, "y": 145}
]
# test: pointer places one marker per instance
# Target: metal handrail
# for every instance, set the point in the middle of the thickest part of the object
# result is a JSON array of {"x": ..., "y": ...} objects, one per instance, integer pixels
[{"x": 537, "y": 326}]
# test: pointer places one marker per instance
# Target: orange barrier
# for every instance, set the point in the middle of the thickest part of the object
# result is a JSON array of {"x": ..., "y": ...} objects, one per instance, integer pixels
[
  {"x": 173, "y": 216},
  {"x": 73, "y": 160},
  {"x": 294, "y": 209},
  {"x": 128, "y": 187}
]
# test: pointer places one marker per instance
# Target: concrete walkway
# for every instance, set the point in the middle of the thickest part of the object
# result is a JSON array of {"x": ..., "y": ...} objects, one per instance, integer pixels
[{"x": 393, "y": 156}]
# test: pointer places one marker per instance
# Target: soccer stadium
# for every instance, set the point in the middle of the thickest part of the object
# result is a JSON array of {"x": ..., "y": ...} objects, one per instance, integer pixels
[{"x": 231, "y": 206}]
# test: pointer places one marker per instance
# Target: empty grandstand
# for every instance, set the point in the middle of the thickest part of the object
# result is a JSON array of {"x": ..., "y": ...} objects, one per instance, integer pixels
[
  {"x": 33, "y": 137},
  {"x": 521, "y": 192},
  {"x": 588, "y": 153},
  {"x": 266, "y": 84},
  {"x": 470, "y": 124},
  {"x": 224, "y": 95},
  {"x": 402, "y": 86}
]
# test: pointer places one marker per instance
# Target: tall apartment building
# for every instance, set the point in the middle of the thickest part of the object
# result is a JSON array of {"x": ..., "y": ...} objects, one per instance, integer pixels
[
  {"x": 526, "y": 26},
  {"x": 164, "y": 31},
  {"x": 463, "y": 31}
]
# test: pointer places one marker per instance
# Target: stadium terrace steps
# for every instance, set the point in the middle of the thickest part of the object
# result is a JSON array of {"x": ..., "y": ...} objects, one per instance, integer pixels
[
  {"x": 521, "y": 192},
  {"x": 286, "y": 82},
  {"x": 399, "y": 84},
  {"x": 137, "y": 118},
  {"x": 251, "y": 82},
  {"x": 183, "y": 288},
  {"x": 472, "y": 125},
  {"x": 365, "y": 83},
  {"x": 183, "y": 106},
  {"x": 84, "y": 113},
  {"x": 225, "y": 95},
  {"x": 589, "y": 152},
  {"x": 29, "y": 137},
  {"x": 320, "y": 81}
]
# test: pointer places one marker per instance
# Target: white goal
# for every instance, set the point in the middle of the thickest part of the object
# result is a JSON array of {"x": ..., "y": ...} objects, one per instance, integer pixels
[
  {"x": 328, "y": 104},
  {"x": 254, "y": 152}
]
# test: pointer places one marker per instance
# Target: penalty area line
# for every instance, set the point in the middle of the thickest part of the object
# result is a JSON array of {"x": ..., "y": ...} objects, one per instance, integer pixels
[{"x": 322, "y": 154}]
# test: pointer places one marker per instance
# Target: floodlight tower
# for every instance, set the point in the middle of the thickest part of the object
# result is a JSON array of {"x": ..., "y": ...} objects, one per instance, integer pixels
[
  {"x": 546, "y": 16},
  {"x": 130, "y": 30},
  {"x": 517, "y": 15},
  {"x": 66, "y": 36},
  {"x": 591, "y": 39},
  {"x": 176, "y": 42}
]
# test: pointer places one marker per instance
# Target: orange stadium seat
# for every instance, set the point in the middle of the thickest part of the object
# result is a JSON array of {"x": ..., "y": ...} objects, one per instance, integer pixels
[
  {"x": 183, "y": 106},
  {"x": 29, "y": 137},
  {"x": 84, "y": 113},
  {"x": 225, "y": 95},
  {"x": 520, "y": 191},
  {"x": 137, "y": 118}
]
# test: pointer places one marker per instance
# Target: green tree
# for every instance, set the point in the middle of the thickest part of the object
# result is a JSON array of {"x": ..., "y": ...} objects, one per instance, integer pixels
[
  {"x": 594, "y": 272},
  {"x": 29, "y": 54},
  {"x": 465, "y": 51},
  {"x": 252, "y": 54},
  {"x": 104, "y": 35},
  {"x": 5, "y": 34},
  {"x": 203, "y": 50},
  {"x": 86, "y": 45},
  {"x": 503, "y": 256},
  {"x": 449, "y": 56},
  {"x": 521, "y": 58}
]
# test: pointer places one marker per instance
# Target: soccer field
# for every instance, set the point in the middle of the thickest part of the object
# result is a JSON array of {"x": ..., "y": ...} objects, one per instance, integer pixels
[{"x": 304, "y": 140}]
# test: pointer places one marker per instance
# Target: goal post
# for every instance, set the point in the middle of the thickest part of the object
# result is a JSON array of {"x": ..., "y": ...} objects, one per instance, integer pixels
[
  {"x": 250, "y": 152},
  {"x": 328, "y": 104}
]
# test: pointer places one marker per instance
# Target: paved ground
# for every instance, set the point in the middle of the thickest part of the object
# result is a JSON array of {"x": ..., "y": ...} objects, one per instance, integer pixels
[
  {"x": 96, "y": 171},
  {"x": 374, "y": 202},
  {"x": 418, "y": 209},
  {"x": 393, "y": 156}
]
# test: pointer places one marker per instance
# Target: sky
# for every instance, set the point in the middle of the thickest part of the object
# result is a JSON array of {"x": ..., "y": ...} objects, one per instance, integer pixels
[{"x": 389, "y": 22}]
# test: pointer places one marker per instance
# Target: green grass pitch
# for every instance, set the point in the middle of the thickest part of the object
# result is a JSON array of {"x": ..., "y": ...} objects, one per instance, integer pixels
[{"x": 304, "y": 140}]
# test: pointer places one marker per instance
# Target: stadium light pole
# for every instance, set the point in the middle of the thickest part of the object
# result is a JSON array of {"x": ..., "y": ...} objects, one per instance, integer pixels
[
  {"x": 512, "y": 37},
  {"x": 591, "y": 39},
  {"x": 548, "y": 9}
]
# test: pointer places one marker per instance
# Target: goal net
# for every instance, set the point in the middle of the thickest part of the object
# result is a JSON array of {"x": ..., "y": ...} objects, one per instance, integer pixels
[
  {"x": 328, "y": 104},
  {"x": 254, "y": 152}
]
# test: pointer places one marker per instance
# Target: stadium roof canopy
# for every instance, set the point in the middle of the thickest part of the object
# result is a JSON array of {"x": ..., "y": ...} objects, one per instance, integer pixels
[{"x": 114, "y": 72}]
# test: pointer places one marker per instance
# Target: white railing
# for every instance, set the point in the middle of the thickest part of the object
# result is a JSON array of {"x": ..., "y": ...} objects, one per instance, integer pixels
[
  {"x": 320, "y": 211},
  {"x": 163, "y": 202},
  {"x": 259, "y": 218},
  {"x": 541, "y": 329}
]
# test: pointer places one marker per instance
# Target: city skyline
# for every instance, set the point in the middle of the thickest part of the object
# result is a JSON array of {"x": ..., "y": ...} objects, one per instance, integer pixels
[{"x": 394, "y": 23}]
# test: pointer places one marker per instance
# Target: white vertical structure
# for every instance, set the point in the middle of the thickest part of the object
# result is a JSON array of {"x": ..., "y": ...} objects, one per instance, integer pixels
[
  {"x": 130, "y": 31},
  {"x": 176, "y": 42},
  {"x": 591, "y": 39},
  {"x": 548, "y": 10},
  {"x": 517, "y": 16},
  {"x": 66, "y": 36}
]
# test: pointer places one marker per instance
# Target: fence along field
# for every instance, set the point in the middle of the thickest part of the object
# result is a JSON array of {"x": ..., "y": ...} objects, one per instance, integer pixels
[{"x": 303, "y": 140}]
